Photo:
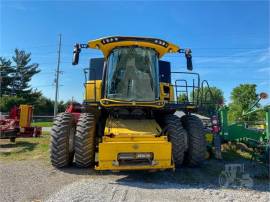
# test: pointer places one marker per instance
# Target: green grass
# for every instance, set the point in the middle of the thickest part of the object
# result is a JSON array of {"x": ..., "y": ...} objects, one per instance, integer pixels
[
  {"x": 42, "y": 124},
  {"x": 25, "y": 148}
]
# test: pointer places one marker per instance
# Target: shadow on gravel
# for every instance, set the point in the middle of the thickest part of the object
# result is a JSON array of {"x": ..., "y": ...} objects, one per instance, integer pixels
[
  {"x": 203, "y": 177},
  {"x": 187, "y": 178}
]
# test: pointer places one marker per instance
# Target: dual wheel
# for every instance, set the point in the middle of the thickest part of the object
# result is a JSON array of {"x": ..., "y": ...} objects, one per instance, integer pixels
[
  {"x": 187, "y": 137},
  {"x": 70, "y": 141}
]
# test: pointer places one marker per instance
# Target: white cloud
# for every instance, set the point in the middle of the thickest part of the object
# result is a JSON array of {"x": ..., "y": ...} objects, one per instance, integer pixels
[
  {"x": 264, "y": 83},
  {"x": 16, "y": 5},
  {"x": 265, "y": 69},
  {"x": 250, "y": 57},
  {"x": 219, "y": 60},
  {"x": 264, "y": 58}
]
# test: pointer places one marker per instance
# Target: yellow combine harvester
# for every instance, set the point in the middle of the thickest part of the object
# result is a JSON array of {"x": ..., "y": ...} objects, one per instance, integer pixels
[{"x": 128, "y": 120}]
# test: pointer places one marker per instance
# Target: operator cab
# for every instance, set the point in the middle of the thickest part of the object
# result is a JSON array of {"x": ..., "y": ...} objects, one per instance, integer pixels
[{"x": 131, "y": 72}]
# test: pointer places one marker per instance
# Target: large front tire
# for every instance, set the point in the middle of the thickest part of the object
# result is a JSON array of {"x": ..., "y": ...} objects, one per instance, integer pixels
[
  {"x": 85, "y": 140},
  {"x": 196, "y": 142},
  {"x": 62, "y": 140},
  {"x": 177, "y": 136}
]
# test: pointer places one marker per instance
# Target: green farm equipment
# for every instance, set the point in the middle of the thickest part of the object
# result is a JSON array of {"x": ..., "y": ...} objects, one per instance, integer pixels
[{"x": 256, "y": 138}]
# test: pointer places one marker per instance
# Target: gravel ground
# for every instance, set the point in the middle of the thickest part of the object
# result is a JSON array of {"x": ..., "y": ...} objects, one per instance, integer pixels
[
  {"x": 37, "y": 181},
  {"x": 108, "y": 190}
]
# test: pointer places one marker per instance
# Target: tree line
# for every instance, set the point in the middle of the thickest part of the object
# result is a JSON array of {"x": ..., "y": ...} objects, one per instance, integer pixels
[
  {"x": 242, "y": 98},
  {"x": 15, "y": 76}
]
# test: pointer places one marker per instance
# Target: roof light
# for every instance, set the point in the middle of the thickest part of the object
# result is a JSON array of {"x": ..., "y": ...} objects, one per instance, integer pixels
[{"x": 116, "y": 39}]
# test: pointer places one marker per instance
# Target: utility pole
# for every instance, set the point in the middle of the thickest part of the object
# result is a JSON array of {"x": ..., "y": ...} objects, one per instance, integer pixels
[{"x": 57, "y": 77}]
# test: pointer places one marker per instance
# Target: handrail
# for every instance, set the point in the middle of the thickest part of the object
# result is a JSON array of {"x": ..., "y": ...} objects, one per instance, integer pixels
[
  {"x": 195, "y": 85},
  {"x": 209, "y": 91},
  {"x": 186, "y": 86}
]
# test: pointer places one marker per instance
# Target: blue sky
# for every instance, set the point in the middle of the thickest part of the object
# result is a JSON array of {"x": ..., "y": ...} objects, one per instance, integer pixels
[{"x": 229, "y": 39}]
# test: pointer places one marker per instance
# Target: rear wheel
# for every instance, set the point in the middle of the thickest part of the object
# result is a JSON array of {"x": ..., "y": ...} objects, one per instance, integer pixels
[
  {"x": 196, "y": 141},
  {"x": 62, "y": 140},
  {"x": 85, "y": 140},
  {"x": 177, "y": 136}
]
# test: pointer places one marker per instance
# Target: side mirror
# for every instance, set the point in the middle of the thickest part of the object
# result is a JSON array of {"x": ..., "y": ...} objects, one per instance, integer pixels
[
  {"x": 189, "y": 59},
  {"x": 76, "y": 54}
]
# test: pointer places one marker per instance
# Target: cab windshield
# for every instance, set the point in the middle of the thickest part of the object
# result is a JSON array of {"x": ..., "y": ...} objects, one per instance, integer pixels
[{"x": 132, "y": 74}]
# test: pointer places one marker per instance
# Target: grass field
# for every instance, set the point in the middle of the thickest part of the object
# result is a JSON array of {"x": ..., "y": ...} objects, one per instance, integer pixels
[
  {"x": 37, "y": 148},
  {"x": 25, "y": 148},
  {"x": 42, "y": 124}
]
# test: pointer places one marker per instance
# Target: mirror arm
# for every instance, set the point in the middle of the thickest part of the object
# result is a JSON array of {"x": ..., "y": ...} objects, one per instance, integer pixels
[
  {"x": 85, "y": 71},
  {"x": 83, "y": 45},
  {"x": 181, "y": 50},
  {"x": 76, "y": 52}
]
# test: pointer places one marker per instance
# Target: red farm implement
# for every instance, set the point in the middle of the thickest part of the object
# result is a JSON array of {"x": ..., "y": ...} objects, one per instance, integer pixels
[{"x": 18, "y": 124}]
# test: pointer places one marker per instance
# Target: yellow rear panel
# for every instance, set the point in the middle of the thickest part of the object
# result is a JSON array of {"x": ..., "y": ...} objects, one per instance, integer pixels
[
  {"x": 136, "y": 137},
  {"x": 108, "y": 154}
]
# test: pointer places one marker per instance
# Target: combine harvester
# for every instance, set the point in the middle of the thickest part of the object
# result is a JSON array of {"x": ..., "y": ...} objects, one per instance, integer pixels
[
  {"x": 128, "y": 111},
  {"x": 18, "y": 124}
]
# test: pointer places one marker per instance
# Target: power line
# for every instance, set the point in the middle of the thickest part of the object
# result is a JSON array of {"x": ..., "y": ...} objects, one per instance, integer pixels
[
  {"x": 231, "y": 48},
  {"x": 202, "y": 48},
  {"x": 33, "y": 47},
  {"x": 42, "y": 86},
  {"x": 243, "y": 80},
  {"x": 218, "y": 56}
]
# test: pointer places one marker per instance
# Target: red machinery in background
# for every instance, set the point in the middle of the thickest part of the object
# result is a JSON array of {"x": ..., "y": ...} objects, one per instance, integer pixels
[
  {"x": 75, "y": 109},
  {"x": 18, "y": 124}
]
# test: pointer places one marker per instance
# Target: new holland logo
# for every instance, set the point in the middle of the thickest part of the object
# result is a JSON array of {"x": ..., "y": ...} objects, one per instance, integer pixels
[{"x": 135, "y": 146}]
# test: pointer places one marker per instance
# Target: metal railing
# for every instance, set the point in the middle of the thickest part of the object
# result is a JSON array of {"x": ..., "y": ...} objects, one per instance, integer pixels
[{"x": 183, "y": 88}]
